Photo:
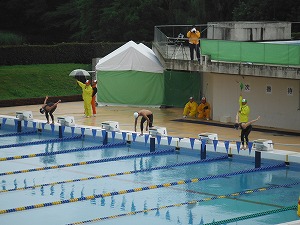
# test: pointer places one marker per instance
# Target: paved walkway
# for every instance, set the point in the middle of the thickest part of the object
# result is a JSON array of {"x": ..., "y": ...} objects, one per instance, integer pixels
[{"x": 162, "y": 117}]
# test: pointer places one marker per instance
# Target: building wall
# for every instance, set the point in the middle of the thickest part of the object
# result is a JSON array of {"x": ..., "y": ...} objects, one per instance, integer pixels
[
  {"x": 276, "y": 100},
  {"x": 249, "y": 30}
]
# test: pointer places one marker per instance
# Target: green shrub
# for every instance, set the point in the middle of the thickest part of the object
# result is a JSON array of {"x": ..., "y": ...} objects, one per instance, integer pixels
[{"x": 7, "y": 38}]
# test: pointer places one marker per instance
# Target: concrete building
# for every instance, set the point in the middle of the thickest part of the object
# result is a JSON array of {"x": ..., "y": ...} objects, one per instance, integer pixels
[
  {"x": 272, "y": 88},
  {"x": 249, "y": 31}
]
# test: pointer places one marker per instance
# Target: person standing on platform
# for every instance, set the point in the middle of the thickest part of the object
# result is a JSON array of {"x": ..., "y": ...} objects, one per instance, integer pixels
[
  {"x": 95, "y": 90},
  {"x": 190, "y": 108},
  {"x": 244, "y": 109},
  {"x": 243, "y": 115},
  {"x": 194, "y": 44},
  {"x": 87, "y": 92},
  {"x": 246, "y": 128},
  {"x": 204, "y": 109}
]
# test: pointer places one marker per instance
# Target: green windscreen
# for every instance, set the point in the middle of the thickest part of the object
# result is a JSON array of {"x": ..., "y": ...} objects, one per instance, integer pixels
[
  {"x": 179, "y": 86},
  {"x": 265, "y": 53},
  {"x": 172, "y": 88}
]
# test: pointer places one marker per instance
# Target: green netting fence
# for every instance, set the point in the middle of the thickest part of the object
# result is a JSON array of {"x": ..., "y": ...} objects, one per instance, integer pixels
[{"x": 264, "y": 53}]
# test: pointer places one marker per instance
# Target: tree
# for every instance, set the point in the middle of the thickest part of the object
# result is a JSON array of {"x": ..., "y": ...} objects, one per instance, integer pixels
[
  {"x": 62, "y": 21},
  {"x": 268, "y": 10},
  {"x": 52, "y": 21}
]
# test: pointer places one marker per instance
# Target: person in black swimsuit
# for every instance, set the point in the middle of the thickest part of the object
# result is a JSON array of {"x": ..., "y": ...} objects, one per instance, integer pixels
[
  {"x": 146, "y": 115},
  {"x": 48, "y": 109},
  {"x": 245, "y": 130}
]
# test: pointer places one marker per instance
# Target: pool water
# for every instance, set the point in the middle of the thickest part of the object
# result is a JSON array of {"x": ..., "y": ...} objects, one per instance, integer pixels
[{"x": 127, "y": 184}]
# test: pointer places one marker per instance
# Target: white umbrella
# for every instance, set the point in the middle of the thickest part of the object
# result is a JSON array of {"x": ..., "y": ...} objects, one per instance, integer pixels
[{"x": 79, "y": 72}]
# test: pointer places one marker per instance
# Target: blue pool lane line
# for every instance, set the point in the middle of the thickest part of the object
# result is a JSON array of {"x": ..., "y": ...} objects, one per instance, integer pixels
[
  {"x": 118, "y": 174},
  {"x": 161, "y": 152},
  {"x": 122, "y": 192},
  {"x": 232, "y": 220},
  {"x": 293, "y": 207},
  {"x": 41, "y": 142},
  {"x": 63, "y": 151},
  {"x": 18, "y": 133}
]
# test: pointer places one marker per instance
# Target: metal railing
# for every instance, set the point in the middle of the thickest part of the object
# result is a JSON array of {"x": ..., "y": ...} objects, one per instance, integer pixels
[{"x": 171, "y": 41}]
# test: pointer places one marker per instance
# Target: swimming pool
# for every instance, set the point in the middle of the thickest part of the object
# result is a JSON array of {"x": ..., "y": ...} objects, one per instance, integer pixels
[{"x": 79, "y": 179}]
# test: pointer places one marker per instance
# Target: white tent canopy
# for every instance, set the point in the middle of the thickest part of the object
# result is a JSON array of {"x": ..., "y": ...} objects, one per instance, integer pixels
[{"x": 131, "y": 56}]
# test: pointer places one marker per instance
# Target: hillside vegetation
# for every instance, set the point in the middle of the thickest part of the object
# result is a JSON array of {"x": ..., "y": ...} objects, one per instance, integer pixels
[{"x": 35, "y": 81}]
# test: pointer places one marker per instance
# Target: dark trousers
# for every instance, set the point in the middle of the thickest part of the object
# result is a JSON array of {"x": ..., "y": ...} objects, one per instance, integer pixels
[
  {"x": 194, "y": 47},
  {"x": 245, "y": 134},
  {"x": 143, "y": 120}
]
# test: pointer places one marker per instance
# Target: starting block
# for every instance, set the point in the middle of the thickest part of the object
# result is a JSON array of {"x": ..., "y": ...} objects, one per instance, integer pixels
[
  {"x": 209, "y": 137},
  {"x": 110, "y": 126},
  {"x": 66, "y": 120},
  {"x": 263, "y": 145},
  {"x": 24, "y": 115},
  {"x": 161, "y": 131}
]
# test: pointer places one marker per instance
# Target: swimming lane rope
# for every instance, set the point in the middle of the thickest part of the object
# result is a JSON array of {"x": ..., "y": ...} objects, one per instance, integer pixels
[
  {"x": 294, "y": 207},
  {"x": 205, "y": 200},
  {"x": 90, "y": 162},
  {"x": 41, "y": 142},
  {"x": 121, "y": 192},
  {"x": 118, "y": 174},
  {"x": 110, "y": 145},
  {"x": 18, "y": 133}
]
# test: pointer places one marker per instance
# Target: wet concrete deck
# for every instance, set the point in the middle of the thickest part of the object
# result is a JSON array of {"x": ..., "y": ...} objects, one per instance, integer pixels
[{"x": 171, "y": 118}]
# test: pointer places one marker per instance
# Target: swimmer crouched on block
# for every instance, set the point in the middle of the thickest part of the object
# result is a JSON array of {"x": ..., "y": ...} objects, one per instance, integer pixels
[{"x": 146, "y": 115}]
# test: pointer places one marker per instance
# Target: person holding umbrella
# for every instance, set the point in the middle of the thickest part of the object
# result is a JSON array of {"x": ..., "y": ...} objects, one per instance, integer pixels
[{"x": 87, "y": 92}]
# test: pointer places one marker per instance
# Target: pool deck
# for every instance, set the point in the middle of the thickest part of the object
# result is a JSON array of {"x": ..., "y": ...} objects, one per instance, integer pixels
[{"x": 171, "y": 118}]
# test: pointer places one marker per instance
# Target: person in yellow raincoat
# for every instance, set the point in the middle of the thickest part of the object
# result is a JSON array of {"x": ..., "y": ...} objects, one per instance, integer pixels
[
  {"x": 243, "y": 115},
  {"x": 245, "y": 129},
  {"x": 244, "y": 110},
  {"x": 204, "y": 109},
  {"x": 194, "y": 36},
  {"x": 190, "y": 108},
  {"x": 87, "y": 92}
]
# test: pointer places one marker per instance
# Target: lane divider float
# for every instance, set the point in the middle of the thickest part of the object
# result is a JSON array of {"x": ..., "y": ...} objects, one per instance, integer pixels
[
  {"x": 161, "y": 152},
  {"x": 205, "y": 200},
  {"x": 117, "y": 174},
  {"x": 293, "y": 207},
  {"x": 18, "y": 133},
  {"x": 41, "y": 142},
  {"x": 62, "y": 151},
  {"x": 151, "y": 187}
]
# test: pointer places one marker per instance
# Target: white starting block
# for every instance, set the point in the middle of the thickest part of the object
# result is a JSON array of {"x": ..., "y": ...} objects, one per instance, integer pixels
[
  {"x": 24, "y": 115},
  {"x": 209, "y": 137},
  {"x": 263, "y": 145},
  {"x": 110, "y": 126},
  {"x": 66, "y": 120},
  {"x": 161, "y": 131}
]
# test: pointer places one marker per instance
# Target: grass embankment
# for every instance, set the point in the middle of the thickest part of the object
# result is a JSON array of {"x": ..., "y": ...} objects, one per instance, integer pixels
[{"x": 35, "y": 81}]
